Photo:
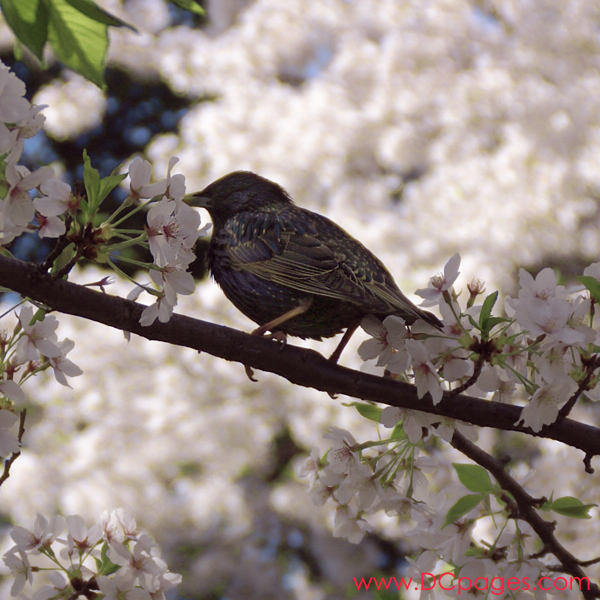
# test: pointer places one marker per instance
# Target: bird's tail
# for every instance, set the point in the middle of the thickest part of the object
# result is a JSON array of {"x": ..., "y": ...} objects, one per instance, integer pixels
[
  {"x": 411, "y": 313},
  {"x": 430, "y": 318}
]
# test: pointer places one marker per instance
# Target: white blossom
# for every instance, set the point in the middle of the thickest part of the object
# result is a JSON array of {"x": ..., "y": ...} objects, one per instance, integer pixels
[
  {"x": 39, "y": 337},
  {"x": 350, "y": 526},
  {"x": 545, "y": 404},
  {"x": 440, "y": 283},
  {"x": 140, "y": 172},
  {"x": 426, "y": 378},
  {"x": 342, "y": 458},
  {"x": 62, "y": 366}
]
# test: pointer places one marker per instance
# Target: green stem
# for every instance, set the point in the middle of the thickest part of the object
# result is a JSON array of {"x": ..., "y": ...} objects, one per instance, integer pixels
[
  {"x": 129, "y": 278},
  {"x": 127, "y": 243},
  {"x": 138, "y": 263},
  {"x": 125, "y": 217},
  {"x": 125, "y": 204}
]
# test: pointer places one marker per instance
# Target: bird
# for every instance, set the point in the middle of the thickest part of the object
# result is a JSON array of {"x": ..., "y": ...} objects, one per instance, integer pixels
[{"x": 293, "y": 271}]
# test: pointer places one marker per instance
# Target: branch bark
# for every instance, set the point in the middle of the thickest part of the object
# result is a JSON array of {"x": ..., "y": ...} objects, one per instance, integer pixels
[
  {"x": 300, "y": 366},
  {"x": 524, "y": 506}
]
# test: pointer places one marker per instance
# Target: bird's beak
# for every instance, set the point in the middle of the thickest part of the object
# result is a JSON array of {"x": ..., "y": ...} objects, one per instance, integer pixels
[{"x": 197, "y": 199}]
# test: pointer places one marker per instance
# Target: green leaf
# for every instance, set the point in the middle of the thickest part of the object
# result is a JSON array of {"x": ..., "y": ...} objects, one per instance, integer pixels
[
  {"x": 108, "y": 184},
  {"x": 28, "y": 20},
  {"x": 485, "y": 320},
  {"x": 80, "y": 42},
  {"x": 486, "y": 309},
  {"x": 190, "y": 5},
  {"x": 91, "y": 10},
  {"x": 493, "y": 321},
  {"x": 461, "y": 507},
  {"x": 91, "y": 180},
  {"x": 108, "y": 567},
  {"x": 571, "y": 507},
  {"x": 373, "y": 413},
  {"x": 474, "y": 478},
  {"x": 97, "y": 189},
  {"x": 592, "y": 284},
  {"x": 398, "y": 432},
  {"x": 474, "y": 323},
  {"x": 64, "y": 258},
  {"x": 76, "y": 29}
]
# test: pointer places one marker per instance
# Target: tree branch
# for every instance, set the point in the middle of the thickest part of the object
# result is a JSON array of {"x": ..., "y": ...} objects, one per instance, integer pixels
[
  {"x": 526, "y": 511},
  {"x": 299, "y": 366}
]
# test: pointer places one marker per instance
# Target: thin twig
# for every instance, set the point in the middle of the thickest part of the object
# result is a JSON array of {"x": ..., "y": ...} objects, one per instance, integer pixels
[
  {"x": 568, "y": 407},
  {"x": 8, "y": 464},
  {"x": 522, "y": 507}
]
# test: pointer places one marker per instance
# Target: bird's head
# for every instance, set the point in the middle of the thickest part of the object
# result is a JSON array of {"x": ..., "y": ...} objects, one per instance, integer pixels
[{"x": 237, "y": 192}]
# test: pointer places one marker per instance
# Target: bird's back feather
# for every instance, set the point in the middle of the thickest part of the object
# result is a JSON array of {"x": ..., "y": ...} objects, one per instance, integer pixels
[{"x": 309, "y": 253}]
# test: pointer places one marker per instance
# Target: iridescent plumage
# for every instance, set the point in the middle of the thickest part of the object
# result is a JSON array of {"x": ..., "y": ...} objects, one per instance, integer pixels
[{"x": 273, "y": 258}]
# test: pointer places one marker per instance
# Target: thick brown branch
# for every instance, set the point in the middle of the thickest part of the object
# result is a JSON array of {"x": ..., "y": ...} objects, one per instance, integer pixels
[
  {"x": 526, "y": 511},
  {"x": 300, "y": 366}
]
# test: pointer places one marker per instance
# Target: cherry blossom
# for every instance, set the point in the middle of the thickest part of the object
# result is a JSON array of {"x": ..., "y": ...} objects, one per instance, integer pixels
[
  {"x": 440, "y": 283},
  {"x": 44, "y": 532},
  {"x": 140, "y": 172},
  {"x": 20, "y": 568},
  {"x": 13, "y": 106},
  {"x": 426, "y": 378},
  {"x": 50, "y": 227},
  {"x": 172, "y": 232},
  {"x": 130, "y": 567},
  {"x": 341, "y": 457},
  {"x": 62, "y": 366},
  {"x": 56, "y": 198},
  {"x": 545, "y": 404},
  {"x": 387, "y": 343},
  {"x": 40, "y": 336},
  {"x": 12, "y": 390},
  {"x": 349, "y": 525},
  {"x": 413, "y": 421}
]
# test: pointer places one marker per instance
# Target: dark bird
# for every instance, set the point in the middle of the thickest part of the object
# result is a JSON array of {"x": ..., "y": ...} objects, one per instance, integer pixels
[{"x": 291, "y": 270}]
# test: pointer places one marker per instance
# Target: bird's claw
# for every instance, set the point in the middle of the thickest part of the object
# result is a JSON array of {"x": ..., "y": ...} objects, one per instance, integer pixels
[
  {"x": 250, "y": 373},
  {"x": 279, "y": 336}
]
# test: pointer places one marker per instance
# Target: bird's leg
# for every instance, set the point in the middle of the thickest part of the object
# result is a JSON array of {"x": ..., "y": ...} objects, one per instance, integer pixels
[
  {"x": 345, "y": 339},
  {"x": 290, "y": 314},
  {"x": 340, "y": 347}
]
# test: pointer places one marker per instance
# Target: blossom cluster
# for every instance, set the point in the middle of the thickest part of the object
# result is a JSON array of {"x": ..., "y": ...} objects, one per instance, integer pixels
[
  {"x": 172, "y": 231},
  {"x": 57, "y": 212},
  {"x": 113, "y": 557},
  {"x": 33, "y": 347},
  {"x": 544, "y": 349},
  {"x": 394, "y": 480},
  {"x": 39, "y": 202},
  {"x": 20, "y": 120},
  {"x": 386, "y": 93}
]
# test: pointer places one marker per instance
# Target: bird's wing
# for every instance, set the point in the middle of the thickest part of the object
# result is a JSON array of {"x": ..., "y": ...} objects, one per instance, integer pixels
[{"x": 317, "y": 260}]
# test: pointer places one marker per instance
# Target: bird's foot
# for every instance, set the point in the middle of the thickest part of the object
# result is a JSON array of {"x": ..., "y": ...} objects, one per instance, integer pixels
[
  {"x": 280, "y": 337},
  {"x": 250, "y": 373}
]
